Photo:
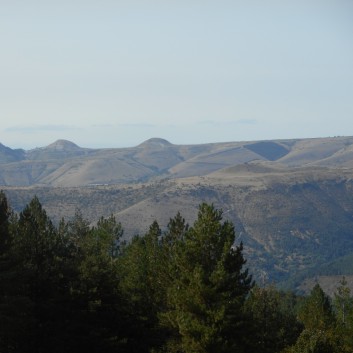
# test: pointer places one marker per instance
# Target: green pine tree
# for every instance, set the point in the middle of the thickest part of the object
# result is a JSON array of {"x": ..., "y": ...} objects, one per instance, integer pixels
[
  {"x": 319, "y": 334},
  {"x": 316, "y": 311},
  {"x": 141, "y": 284},
  {"x": 36, "y": 252},
  {"x": 209, "y": 287},
  {"x": 343, "y": 304},
  {"x": 275, "y": 324}
]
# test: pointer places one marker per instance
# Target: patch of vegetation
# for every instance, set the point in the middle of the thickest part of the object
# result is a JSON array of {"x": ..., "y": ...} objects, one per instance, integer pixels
[
  {"x": 268, "y": 149},
  {"x": 75, "y": 287}
]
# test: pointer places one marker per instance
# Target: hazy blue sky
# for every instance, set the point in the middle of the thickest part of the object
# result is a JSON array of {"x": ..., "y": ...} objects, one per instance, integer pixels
[{"x": 115, "y": 73}]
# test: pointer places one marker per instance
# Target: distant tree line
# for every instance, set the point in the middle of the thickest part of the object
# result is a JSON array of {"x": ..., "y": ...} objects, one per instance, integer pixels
[{"x": 79, "y": 288}]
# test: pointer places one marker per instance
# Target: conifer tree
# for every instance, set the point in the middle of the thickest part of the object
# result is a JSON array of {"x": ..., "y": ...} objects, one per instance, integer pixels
[
  {"x": 343, "y": 303},
  {"x": 319, "y": 334},
  {"x": 210, "y": 286},
  {"x": 10, "y": 321},
  {"x": 140, "y": 266},
  {"x": 316, "y": 311},
  {"x": 38, "y": 267},
  {"x": 99, "y": 307},
  {"x": 5, "y": 237},
  {"x": 275, "y": 325},
  {"x": 172, "y": 248}
]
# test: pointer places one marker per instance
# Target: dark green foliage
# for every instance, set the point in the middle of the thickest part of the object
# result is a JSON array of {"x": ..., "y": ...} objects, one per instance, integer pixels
[
  {"x": 316, "y": 311},
  {"x": 95, "y": 291},
  {"x": 319, "y": 334},
  {"x": 9, "y": 301},
  {"x": 5, "y": 212},
  {"x": 77, "y": 287},
  {"x": 209, "y": 287},
  {"x": 141, "y": 282},
  {"x": 314, "y": 341},
  {"x": 39, "y": 257},
  {"x": 343, "y": 305},
  {"x": 274, "y": 319},
  {"x": 62, "y": 292}
]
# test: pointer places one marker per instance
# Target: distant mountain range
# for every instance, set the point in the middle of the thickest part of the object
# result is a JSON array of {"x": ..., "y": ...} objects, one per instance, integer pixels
[
  {"x": 291, "y": 201},
  {"x": 65, "y": 164}
]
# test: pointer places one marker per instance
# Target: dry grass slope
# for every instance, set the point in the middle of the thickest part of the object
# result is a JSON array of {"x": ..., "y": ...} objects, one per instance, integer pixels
[{"x": 291, "y": 201}]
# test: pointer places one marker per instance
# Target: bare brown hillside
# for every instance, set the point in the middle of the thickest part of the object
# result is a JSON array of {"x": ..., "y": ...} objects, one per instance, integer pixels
[
  {"x": 65, "y": 164},
  {"x": 291, "y": 201}
]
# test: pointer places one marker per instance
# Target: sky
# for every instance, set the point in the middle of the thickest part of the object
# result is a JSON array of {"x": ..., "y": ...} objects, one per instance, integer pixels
[{"x": 113, "y": 73}]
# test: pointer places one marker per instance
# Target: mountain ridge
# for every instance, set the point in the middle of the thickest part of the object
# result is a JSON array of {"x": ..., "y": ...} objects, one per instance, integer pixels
[
  {"x": 291, "y": 201},
  {"x": 63, "y": 163}
]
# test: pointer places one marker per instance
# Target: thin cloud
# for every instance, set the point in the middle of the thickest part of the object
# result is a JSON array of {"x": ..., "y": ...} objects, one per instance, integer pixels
[
  {"x": 216, "y": 123},
  {"x": 30, "y": 129},
  {"x": 102, "y": 126},
  {"x": 247, "y": 121},
  {"x": 138, "y": 125}
]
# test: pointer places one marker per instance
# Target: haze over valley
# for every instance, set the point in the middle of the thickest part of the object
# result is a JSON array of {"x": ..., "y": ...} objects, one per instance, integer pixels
[
  {"x": 291, "y": 201},
  {"x": 176, "y": 176}
]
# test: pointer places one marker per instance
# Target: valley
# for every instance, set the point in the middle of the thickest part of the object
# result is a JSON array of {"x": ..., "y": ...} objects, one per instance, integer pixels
[{"x": 291, "y": 201}]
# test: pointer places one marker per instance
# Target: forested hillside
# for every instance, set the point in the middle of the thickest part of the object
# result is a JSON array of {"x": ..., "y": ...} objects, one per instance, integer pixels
[
  {"x": 75, "y": 287},
  {"x": 291, "y": 201},
  {"x": 295, "y": 223}
]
